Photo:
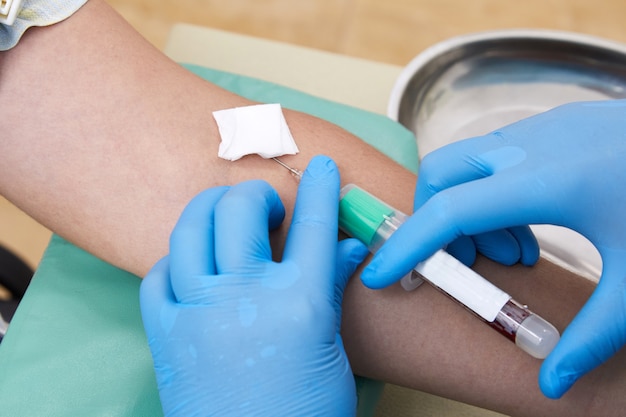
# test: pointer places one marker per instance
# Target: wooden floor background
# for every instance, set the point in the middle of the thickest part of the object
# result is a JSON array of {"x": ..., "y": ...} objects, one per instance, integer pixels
[{"x": 391, "y": 31}]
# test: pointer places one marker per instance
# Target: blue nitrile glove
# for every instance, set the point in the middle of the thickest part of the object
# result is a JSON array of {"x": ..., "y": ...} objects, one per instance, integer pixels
[
  {"x": 564, "y": 167},
  {"x": 233, "y": 333}
]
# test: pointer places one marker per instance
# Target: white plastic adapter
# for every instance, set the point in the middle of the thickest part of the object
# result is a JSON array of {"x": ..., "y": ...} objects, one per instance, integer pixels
[{"x": 9, "y": 10}]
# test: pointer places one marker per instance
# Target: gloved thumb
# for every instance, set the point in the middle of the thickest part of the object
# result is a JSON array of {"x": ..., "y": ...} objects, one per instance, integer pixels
[{"x": 597, "y": 332}]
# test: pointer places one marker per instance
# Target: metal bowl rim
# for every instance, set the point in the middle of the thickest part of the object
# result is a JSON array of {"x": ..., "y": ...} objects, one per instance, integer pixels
[{"x": 440, "y": 48}]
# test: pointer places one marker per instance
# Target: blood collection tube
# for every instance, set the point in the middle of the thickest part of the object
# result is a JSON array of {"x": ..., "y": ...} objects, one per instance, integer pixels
[{"x": 367, "y": 218}]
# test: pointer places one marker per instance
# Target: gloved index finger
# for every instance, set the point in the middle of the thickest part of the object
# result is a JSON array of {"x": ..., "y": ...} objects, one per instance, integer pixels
[
  {"x": 155, "y": 295},
  {"x": 191, "y": 242},
  {"x": 464, "y": 161},
  {"x": 450, "y": 165},
  {"x": 492, "y": 203},
  {"x": 243, "y": 219},
  {"x": 312, "y": 237}
]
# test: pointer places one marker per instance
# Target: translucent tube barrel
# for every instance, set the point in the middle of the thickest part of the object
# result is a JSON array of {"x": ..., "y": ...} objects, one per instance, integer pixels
[{"x": 367, "y": 218}]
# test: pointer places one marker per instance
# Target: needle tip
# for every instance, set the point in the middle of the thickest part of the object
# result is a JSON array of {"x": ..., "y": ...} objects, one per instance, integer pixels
[{"x": 294, "y": 171}]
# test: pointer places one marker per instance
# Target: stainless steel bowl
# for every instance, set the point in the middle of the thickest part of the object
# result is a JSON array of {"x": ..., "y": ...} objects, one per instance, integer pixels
[{"x": 471, "y": 85}]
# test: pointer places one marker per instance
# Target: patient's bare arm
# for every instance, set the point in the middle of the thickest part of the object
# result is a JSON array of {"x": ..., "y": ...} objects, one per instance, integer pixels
[{"x": 106, "y": 140}]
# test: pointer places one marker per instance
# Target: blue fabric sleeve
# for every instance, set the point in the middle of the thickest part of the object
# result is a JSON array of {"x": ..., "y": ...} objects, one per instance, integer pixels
[{"x": 36, "y": 13}]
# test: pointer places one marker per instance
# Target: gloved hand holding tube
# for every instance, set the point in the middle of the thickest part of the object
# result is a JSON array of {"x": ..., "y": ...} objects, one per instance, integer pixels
[
  {"x": 563, "y": 167},
  {"x": 234, "y": 333}
]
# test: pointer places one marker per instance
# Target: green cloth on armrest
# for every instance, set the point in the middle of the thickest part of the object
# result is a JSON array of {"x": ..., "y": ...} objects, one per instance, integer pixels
[{"x": 76, "y": 345}]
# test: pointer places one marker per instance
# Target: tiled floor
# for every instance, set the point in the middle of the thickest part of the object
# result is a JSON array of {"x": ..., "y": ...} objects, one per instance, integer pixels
[{"x": 392, "y": 31}]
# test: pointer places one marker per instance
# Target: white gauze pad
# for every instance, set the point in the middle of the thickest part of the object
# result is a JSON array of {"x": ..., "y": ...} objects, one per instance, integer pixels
[{"x": 258, "y": 129}]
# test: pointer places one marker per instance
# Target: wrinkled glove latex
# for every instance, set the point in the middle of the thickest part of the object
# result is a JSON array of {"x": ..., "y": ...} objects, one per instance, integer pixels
[
  {"x": 233, "y": 333},
  {"x": 564, "y": 167}
]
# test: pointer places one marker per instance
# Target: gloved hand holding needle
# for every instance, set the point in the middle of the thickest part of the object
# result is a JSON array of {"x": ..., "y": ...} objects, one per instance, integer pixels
[
  {"x": 564, "y": 167},
  {"x": 233, "y": 333}
]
